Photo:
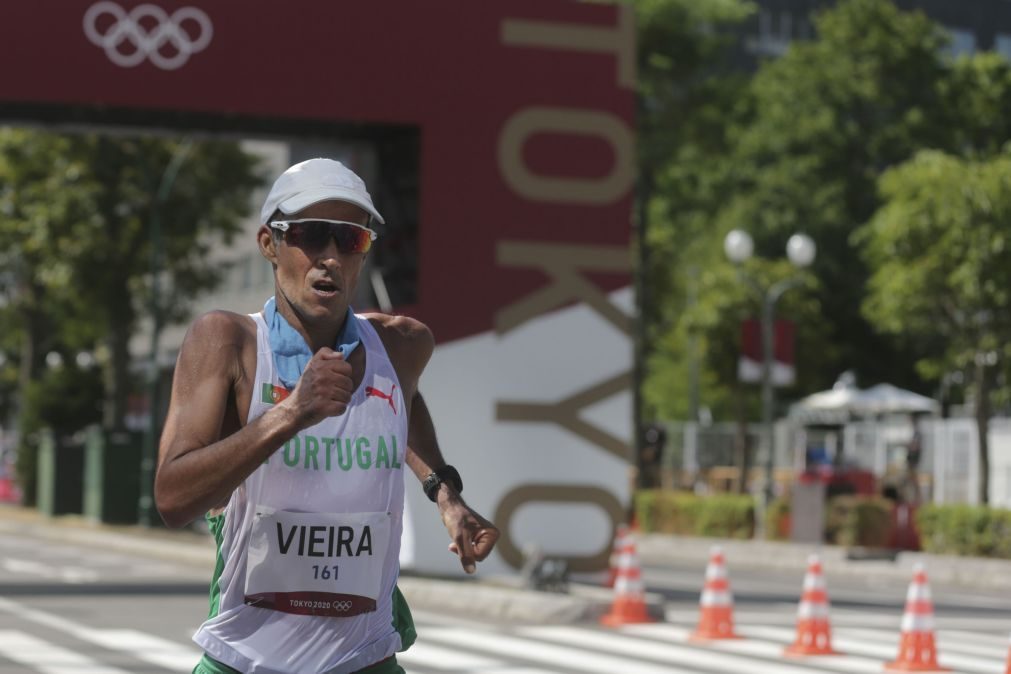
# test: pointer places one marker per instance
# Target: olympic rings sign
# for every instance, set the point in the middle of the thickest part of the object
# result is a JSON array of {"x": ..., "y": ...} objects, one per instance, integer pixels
[
  {"x": 188, "y": 30},
  {"x": 342, "y": 606}
]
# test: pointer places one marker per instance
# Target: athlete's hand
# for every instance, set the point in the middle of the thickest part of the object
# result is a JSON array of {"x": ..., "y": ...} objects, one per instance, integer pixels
[
  {"x": 324, "y": 390},
  {"x": 472, "y": 536}
]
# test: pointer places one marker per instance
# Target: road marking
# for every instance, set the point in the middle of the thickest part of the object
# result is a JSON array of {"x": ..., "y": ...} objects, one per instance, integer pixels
[
  {"x": 48, "y": 658},
  {"x": 761, "y": 649},
  {"x": 861, "y": 642},
  {"x": 68, "y": 574},
  {"x": 1000, "y": 643},
  {"x": 558, "y": 656},
  {"x": 145, "y": 647},
  {"x": 951, "y": 651},
  {"x": 776, "y": 615},
  {"x": 670, "y": 654},
  {"x": 437, "y": 657}
]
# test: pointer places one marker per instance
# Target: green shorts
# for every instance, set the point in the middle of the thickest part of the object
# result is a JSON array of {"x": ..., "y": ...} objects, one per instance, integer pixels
[{"x": 207, "y": 665}]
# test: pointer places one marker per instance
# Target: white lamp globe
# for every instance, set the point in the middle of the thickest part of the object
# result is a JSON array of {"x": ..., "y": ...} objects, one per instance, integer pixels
[
  {"x": 801, "y": 250},
  {"x": 738, "y": 246}
]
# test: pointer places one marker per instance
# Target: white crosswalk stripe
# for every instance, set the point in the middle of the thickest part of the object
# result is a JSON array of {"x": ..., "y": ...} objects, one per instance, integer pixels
[
  {"x": 544, "y": 653},
  {"x": 48, "y": 658},
  {"x": 754, "y": 648},
  {"x": 53, "y": 644},
  {"x": 679, "y": 655},
  {"x": 436, "y": 657},
  {"x": 148, "y": 648}
]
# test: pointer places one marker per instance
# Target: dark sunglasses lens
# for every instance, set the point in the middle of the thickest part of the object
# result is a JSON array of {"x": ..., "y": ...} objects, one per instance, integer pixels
[
  {"x": 352, "y": 239},
  {"x": 316, "y": 235},
  {"x": 309, "y": 235}
]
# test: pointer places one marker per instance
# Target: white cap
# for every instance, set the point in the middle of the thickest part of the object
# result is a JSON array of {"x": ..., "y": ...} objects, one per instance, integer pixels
[{"x": 313, "y": 181}]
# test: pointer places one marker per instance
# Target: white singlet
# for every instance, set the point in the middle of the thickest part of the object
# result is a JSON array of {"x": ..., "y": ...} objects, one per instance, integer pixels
[{"x": 315, "y": 532}]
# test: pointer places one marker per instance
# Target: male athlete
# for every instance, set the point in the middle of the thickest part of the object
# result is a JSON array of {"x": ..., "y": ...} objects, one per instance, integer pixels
[{"x": 290, "y": 429}]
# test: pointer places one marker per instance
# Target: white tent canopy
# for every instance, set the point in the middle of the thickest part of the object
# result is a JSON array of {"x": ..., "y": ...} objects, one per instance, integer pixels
[
  {"x": 888, "y": 399},
  {"x": 845, "y": 401}
]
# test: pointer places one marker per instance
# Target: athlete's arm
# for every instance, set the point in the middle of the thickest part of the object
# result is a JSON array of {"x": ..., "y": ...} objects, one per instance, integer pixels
[
  {"x": 410, "y": 345},
  {"x": 198, "y": 468},
  {"x": 472, "y": 536}
]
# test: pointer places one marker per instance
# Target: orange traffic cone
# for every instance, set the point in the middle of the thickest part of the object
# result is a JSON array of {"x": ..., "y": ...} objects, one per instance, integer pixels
[
  {"x": 917, "y": 648},
  {"x": 716, "y": 617},
  {"x": 629, "y": 605},
  {"x": 620, "y": 534},
  {"x": 814, "y": 636}
]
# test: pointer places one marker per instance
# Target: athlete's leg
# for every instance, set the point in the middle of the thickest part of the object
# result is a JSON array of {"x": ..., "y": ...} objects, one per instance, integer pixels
[
  {"x": 387, "y": 666},
  {"x": 208, "y": 665}
]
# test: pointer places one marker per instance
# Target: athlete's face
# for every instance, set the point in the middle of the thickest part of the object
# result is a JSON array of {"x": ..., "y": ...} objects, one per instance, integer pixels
[{"x": 317, "y": 283}]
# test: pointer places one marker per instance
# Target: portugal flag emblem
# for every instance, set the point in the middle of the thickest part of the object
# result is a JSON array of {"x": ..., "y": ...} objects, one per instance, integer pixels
[{"x": 273, "y": 394}]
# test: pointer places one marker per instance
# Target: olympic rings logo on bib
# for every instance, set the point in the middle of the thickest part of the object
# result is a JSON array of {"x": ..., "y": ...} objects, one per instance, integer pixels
[
  {"x": 342, "y": 606},
  {"x": 187, "y": 31}
]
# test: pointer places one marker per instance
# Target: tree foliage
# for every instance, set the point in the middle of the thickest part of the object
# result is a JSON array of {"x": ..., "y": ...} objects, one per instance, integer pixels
[
  {"x": 829, "y": 116},
  {"x": 800, "y": 147},
  {"x": 689, "y": 87},
  {"x": 940, "y": 247},
  {"x": 75, "y": 244}
]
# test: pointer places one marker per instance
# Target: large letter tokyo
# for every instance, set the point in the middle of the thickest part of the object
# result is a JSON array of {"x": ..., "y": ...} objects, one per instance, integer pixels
[{"x": 567, "y": 265}]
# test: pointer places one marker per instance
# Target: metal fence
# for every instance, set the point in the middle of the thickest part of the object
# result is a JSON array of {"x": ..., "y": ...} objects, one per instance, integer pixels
[{"x": 708, "y": 457}]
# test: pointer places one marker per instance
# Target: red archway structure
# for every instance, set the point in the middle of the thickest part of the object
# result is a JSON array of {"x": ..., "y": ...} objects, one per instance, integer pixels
[{"x": 523, "y": 111}]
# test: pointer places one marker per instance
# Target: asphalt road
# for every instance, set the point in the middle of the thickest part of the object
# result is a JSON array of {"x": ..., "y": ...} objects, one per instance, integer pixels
[
  {"x": 774, "y": 590},
  {"x": 76, "y": 609}
]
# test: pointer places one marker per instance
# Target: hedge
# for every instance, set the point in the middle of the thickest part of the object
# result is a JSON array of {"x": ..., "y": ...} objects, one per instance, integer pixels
[
  {"x": 850, "y": 520},
  {"x": 976, "y": 531},
  {"x": 671, "y": 512},
  {"x": 858, "y": 521}
]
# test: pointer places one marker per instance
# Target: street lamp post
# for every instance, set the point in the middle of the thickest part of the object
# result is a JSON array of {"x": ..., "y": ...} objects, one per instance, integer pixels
[{"x": 800, "y": 250}]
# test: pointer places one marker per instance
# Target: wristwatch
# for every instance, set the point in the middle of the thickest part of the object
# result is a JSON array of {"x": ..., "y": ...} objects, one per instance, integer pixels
[{"x": 447, "y": 473}]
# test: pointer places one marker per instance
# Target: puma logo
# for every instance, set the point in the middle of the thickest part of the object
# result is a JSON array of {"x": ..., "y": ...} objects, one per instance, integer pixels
[{"x": 388, "y": 397}]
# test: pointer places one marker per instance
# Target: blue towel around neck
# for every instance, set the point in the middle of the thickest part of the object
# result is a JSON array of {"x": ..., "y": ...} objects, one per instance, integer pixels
[{"x": 291, "y": 353}]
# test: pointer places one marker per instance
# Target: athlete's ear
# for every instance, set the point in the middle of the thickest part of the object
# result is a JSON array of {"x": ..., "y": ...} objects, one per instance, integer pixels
[{"x": 267, "y": 243}]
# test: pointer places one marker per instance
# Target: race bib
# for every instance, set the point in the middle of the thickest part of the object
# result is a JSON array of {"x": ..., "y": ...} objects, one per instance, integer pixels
[{"x": 324, "y": 564}]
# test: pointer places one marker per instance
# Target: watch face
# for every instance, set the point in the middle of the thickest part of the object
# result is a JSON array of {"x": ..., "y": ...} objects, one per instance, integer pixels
[{"x": 430, "y": 484}]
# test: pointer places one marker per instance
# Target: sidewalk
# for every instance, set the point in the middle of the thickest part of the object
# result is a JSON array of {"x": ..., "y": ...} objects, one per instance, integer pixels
[
  {"x": 501, "y": 598},
  {"x": 660, "y": 549},
  {"x": 486, "y": 598}
]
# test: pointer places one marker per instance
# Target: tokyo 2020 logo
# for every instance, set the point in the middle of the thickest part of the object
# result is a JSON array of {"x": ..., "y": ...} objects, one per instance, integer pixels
[{"x": 147, "y": 32}]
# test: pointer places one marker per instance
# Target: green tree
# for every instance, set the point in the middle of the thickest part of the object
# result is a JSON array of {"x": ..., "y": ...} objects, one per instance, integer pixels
[
  {"x": 940, "y": 248},
  {"x": 977, "y": 96},
  {"x": 688, "y": 84},
  {"x": 75, "y": 214},
  {"x": 111, "y": 274},
  {"x": 829, "y": 116},
  {"x": 800, "y": 148},
  {"x": 42, "y": 189}
]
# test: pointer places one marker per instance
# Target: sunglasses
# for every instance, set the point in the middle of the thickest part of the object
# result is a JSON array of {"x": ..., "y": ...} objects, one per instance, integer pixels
[{"x": 315, "y": 234}]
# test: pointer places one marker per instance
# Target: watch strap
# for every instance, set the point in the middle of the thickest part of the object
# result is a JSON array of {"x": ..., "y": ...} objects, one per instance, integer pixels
[{"x": 447, "y": 473}]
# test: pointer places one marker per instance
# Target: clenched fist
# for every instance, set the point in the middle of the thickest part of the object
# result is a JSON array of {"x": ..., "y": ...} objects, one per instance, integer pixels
[{"x": 324, "y": 390}]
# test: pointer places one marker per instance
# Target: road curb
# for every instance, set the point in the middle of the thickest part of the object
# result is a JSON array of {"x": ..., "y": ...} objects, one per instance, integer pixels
[
  {"x": 496, "y": 599},
  {"x": 494, "y": 602},
  {"x": 180, "y": 546},
  {"x": 659, "y": 549}
]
